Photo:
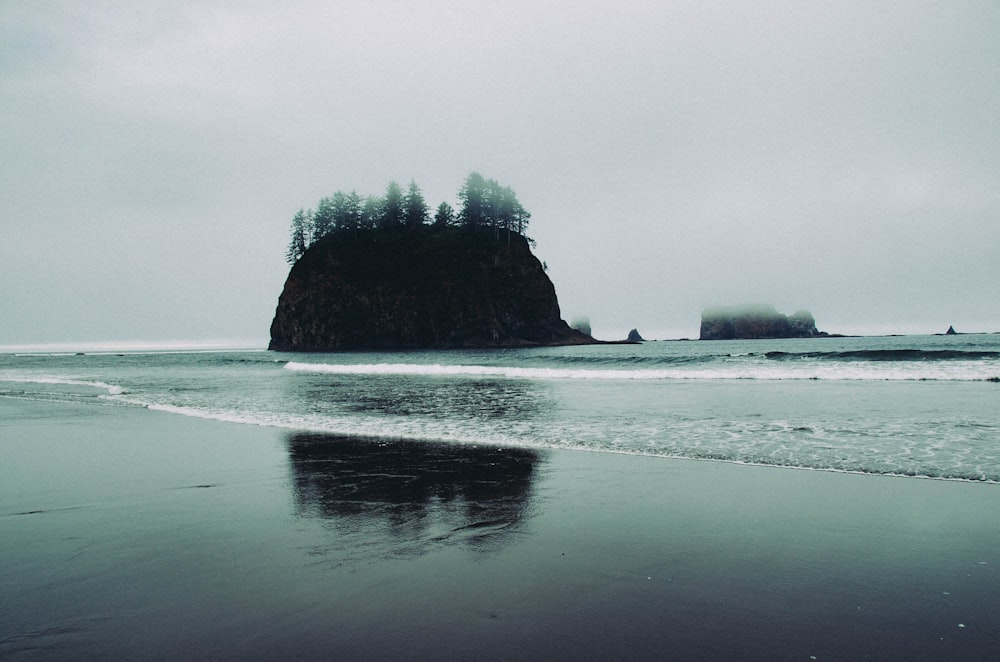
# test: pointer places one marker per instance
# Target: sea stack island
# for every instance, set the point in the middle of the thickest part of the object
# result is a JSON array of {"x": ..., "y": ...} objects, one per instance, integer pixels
[
  {"x": 756, "y": 321},
  {"x": 379, "y": 273}
]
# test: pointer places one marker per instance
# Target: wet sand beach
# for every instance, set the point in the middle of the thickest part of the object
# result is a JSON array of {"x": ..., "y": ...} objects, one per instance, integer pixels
[{"x": 133, "y": 534}]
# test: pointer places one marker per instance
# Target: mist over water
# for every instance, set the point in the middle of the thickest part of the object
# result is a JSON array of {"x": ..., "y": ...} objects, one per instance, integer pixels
[{"x": 919, "y": 405}]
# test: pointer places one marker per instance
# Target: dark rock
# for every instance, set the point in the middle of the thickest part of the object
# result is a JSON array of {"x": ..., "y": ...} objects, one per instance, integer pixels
[
  {"x": 633, "y": 336},
  {"x": 418, "y": 288},
  {"x": 759, "y": 321},
  {"x": 951, "y": 331}
]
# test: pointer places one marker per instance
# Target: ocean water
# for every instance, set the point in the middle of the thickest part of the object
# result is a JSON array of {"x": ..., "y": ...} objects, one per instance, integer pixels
[{"x": 904, "y": 405}]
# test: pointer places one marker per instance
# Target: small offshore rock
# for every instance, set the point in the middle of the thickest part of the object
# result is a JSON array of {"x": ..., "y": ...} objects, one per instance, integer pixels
[{"x": 633, "y": 336}]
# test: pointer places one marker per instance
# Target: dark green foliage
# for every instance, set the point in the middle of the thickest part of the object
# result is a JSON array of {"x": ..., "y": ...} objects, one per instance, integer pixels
[
  {"x": 302, "y": 236},
  {"x": 444, "y": 216},
  {"x": 503, "y": 210},
  {"x": 393, "y": 211},
  {"x": 349, "y": 216},
  {"x": 324, "y": 218},
  {"x": 473, "y": 197},
  {"x": 485, "y": 204},
  {"x": 415, "y": 207},
  {"x": 371, "y": 212}
]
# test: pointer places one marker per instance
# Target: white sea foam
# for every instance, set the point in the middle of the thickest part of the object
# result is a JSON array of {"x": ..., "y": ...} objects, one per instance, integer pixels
[
  {"x": 374, "y": 427},
  {"x": 762, "y": 370},
  {"x": 751, "y": 444},
  {"x": 438, "y": 370},
  {"x": 110, "y": 389}
]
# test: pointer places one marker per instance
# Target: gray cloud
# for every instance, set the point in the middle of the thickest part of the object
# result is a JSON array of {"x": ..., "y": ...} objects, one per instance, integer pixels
[{"x": 842, "y": 158}]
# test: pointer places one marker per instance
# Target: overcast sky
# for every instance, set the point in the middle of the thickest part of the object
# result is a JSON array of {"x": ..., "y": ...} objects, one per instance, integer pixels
[{"x": 842, "y": 157}]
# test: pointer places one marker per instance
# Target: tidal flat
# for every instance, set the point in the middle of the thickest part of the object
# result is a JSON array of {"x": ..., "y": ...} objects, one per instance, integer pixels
[{"x": 134, "y": 534}]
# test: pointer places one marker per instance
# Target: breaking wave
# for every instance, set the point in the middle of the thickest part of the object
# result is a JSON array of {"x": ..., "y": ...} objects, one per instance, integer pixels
[
  {"x": 889, "y": 355},
  {"x": 748, "y": 367},
  {"x": 109, "y": 389}
]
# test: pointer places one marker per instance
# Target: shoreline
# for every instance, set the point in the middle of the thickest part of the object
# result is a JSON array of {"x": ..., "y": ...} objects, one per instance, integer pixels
[
  {"x": 762, "y": 465},
  {"x": 195, "y": 414},
  {"x": 149, "y": 535}
]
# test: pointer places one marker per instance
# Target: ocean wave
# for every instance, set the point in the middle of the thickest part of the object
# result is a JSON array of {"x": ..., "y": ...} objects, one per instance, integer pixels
[
  {"x": 735, "y": 371},
  {"x": 889, "y": 355},
  {"x": 631, "y": 360},
  {"x": 725, "y": 405},
  {"x": 516, "y": 372},
  {"x": 438, "y": 370},
  {"x": 109, "y": 389},
  {"x": 744, "y": 447}
]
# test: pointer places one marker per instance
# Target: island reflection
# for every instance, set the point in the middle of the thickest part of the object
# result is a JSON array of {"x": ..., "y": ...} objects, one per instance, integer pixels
[{"x": 393, "y": 498}]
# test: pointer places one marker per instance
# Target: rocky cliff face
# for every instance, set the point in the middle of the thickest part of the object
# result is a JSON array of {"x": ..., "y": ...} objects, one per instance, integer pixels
[
  {"x": 423, "y": 288},
  {"x": 762, "y": 321}
]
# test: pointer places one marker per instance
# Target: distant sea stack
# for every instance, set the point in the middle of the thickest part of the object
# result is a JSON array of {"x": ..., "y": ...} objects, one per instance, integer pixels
[
  {"x": 429, "y": 287},
  {"x": 582, "y": 324},
  {"x": 757, "y": 321}
]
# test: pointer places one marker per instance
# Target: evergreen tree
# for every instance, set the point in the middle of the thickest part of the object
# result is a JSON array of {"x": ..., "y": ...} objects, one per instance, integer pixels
[
  {"x": 325, "y": 217},
  {"x": 521, "y": 218},
  {"x": 352, "y": 211},
  {"x": 512, "y": 216},
  {"x": 473, "y": 195},
  {"x": 301, "y": 236},
  {"x": 484, "y": 203},
  {"x": 338, "y": 206},
  {"x": 445, "y": 215},
  {"x": 496, "y": 205},
  {"x": 371, "y": 212},
  {"x": 345, "y": 211},
  {"x": 414, "y": 206},
  {"x": 393, "y": 211}
]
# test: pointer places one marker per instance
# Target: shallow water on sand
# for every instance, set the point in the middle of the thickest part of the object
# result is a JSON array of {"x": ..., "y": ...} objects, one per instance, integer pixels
[{"x": 132, "y": 534}]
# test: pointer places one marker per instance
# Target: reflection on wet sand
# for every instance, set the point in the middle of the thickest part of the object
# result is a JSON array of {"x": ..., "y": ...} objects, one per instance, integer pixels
[{"x": 396, "y": 498}]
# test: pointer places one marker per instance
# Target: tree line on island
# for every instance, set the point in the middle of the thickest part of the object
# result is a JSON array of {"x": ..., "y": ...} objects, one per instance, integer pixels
[{"x": 483, "y": 204}]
